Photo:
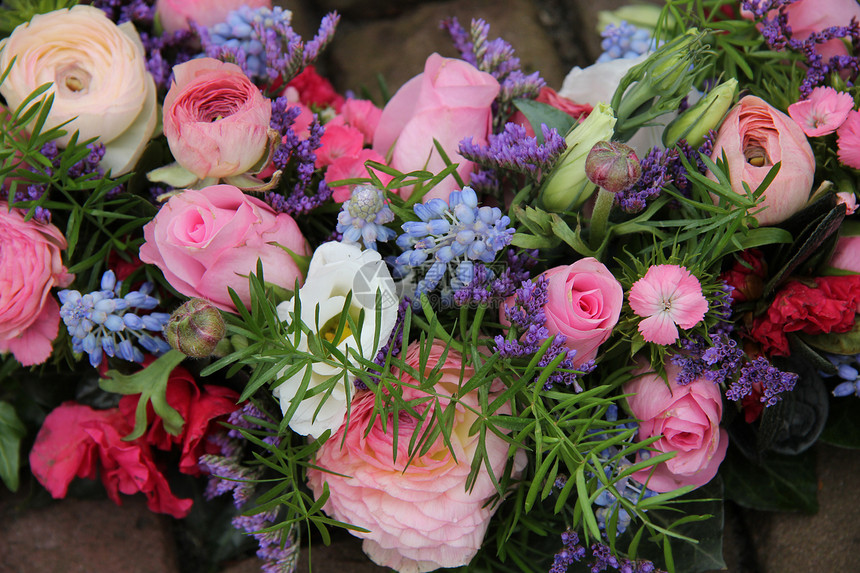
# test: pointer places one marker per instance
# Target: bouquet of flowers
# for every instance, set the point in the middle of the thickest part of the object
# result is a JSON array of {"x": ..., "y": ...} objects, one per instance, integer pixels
[{"x": 480, "y": 323}]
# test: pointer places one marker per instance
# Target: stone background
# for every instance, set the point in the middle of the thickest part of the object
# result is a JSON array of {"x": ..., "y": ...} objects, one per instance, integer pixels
[{"x": 391, "y": 39}]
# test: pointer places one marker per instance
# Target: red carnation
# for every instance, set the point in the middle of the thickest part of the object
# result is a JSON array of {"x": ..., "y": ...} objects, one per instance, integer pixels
[
  {"x": 76, "y": 440},
  {"x": 746, "y": 276},
  {"x": 315, "y": 90},
  {"x": 200, "y": 408}
]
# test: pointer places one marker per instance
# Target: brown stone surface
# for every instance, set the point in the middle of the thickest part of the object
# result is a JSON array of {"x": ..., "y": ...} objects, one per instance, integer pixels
[
  {"x": 827, "y": 541},
  {"x": 84, "y": 536},
  {"x": 397, "y": 48},
  {"x": 342, "y": 556}
]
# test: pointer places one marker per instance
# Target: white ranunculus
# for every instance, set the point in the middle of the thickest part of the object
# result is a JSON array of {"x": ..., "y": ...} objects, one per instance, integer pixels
[
  {"x": 99, "y": 77},
  {"x": 337, "y": 269}
]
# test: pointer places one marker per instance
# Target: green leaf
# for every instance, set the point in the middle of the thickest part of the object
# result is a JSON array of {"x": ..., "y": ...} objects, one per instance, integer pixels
[
  {"x": 12, "y": 431},
  {"x": 843, "y": 423},
  {"x": 540, "y": 113},
  {"x": 151, "y": 384},
  {"x": 779, "y": 483}
]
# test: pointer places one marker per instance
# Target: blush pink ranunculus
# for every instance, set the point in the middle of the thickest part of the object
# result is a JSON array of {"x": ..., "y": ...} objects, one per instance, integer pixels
[
  {"x": 175, "y": 15},
  {"x": 215, "y": 119},
  {"x": 584, "y": 302},
  {"x": 755, "y": 136},
  {"x": 450, "y": 101},
  {"x": 687, "y": 417},
  {"x": 419, "y": 515},
  {"x": 205, "y": 241},
  {"x": 30, "y": 265}
]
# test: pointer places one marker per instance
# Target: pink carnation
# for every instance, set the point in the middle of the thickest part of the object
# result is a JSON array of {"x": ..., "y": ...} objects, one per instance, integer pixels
[
  {"x": 338, "y": 141},
  {"x": 363, "y": 115},
  {"x": 822, "y": 112},
  {"x": 849, "y": 141},
  {"x": 352, "y": 166},
  {"x": 668, "y": 295}
]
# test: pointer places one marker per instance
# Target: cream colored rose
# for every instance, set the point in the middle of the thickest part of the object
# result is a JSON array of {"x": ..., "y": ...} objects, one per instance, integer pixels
[{"x": 100, "y": 82}]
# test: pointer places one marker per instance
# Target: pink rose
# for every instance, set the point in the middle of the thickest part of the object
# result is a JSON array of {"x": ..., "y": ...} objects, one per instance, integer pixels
[
  {"x": 584, "y": 302},
  {"x": 205, "y": 241},
  {"x": 215, "y": 119},
  {"x": 30, "y": 265},
  {"x": 688, "y": 418},
  {"x": 420, "y": 517},
  {"x": 756, "y": 136},
  {"x": 450, "y": 101},
  {"x": 176, "y": 15}
]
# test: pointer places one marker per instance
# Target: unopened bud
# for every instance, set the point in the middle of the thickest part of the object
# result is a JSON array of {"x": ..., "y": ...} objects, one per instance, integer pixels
[
  {"x": 705, "y": 115},
  {"x": 612, "y": 166},
  {"x": 195, "y": 328}
]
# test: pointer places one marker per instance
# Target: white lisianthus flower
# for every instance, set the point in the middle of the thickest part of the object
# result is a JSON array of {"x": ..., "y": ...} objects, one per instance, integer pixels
[{"x": 337, "y": 269}]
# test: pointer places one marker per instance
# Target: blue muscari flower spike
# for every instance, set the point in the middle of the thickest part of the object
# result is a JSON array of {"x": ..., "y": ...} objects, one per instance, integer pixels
[
  {"x": 848, "y": 371},
  {"x": 102, "y": 322},
  {"x": 238, "y": 33},
  {"x": 450, "y": 235},
  {"x": 362, "y": 218},
  {"x": 624, "y": 41}
]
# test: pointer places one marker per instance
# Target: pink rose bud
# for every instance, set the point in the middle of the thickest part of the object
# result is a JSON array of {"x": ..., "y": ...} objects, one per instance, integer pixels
[
  {"x": 195, "y": 328},
  {"x": 612, "y": 166}
]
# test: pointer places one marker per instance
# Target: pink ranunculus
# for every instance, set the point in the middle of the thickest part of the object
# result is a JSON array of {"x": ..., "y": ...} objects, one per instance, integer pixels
[
  {"x": 176, "y": 15},
  {"x": 584, "y": 302},
  {"x": 30, "y": 265},
  {"x": 215, "y": 119},
  {"x": 688, "y": 418},
  {"x": 848, "y": 140},
  {"x": 451, "y": 100},
  {"x": 822, "y": 112},
  {"x": 205, "y": 241},
  {"x": 419, "y": 515},
  {"x": 755, "y": 136},
  {"x": 352, "y": 166},
  {"x": 363, "y": 115}
]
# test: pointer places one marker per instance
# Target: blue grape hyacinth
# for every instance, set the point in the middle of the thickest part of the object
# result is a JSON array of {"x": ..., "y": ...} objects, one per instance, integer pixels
[
  {"x": 362, "y": 218},
  {"x": 624, "y": 41},
  {"x": 238, "y": 33},
  {"x": 101, "y": 322},
  {"x": 452, "y": 234}
]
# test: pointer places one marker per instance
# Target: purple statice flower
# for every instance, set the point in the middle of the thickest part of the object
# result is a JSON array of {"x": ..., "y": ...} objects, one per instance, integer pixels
[
  {"x": 778, "y": 36},
  {"x": 527, "y": 319},
  {"x": 278, "y": 551},
  {"x": 141, "y": 12},
  {"x": 241, "y": 419},
  {"x": 164, "y": 51},
  {"x": 661, "y": 168},
  {"x": 300, "y": 155},
  {"x": 604, "y": 560},
  {"x": 486, "y": 182},
  {"x": 228, "y": 475},
  {"x": 571, "y": 552},
  {"x": 772, "y": 380},
  {"x": 488, "y": 286},
  {"x": 495, "y": 57},
  {"x": 514, "y": 150}
]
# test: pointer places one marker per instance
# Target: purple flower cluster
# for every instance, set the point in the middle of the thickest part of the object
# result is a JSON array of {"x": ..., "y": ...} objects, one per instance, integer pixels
[
  {"x": 778, "y": 35},
  {"x": 263, "y": 43},
  {"x": 486, "y": 286},
  {"x": 227, "y": 474},
  {"x": 299, "y": 154},
  {"x": 573, "y": 551},
  {"x": 514, "y": 150},
  {"x": 279, "y": 552},
  {"x": 759, "y": 371},
  {"x": 661, "y": 168},
  {"x": 86, "y": 167},
  {"x": 495, "y": 57},
  {"x": 527, "y": 317}
]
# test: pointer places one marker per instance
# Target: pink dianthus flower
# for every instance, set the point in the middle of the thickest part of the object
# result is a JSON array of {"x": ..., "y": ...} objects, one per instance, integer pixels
[
  {"x": 667, "y": 296},
  {"x": 822, "y": 112},
  {"x": 849, "y": 141}
]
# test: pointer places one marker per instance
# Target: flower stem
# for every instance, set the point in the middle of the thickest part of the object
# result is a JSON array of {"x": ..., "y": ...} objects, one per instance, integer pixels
[{"x": 600, "y": 217}]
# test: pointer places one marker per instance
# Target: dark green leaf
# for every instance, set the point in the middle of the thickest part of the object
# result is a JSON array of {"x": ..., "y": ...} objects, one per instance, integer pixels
[
  {"x": 12, "y": 430},
  {"x": 843, "y": 423},
  {"x": 779, "y": 483}
]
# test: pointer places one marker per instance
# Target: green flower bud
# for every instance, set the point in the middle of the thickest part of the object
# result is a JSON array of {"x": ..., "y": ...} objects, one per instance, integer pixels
[
  {"x": 705, "y": 115},
  {"x": 195, "y": 328},
  {"x": 568, "y": 186},
  {"x": 612, "y": 166}
]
